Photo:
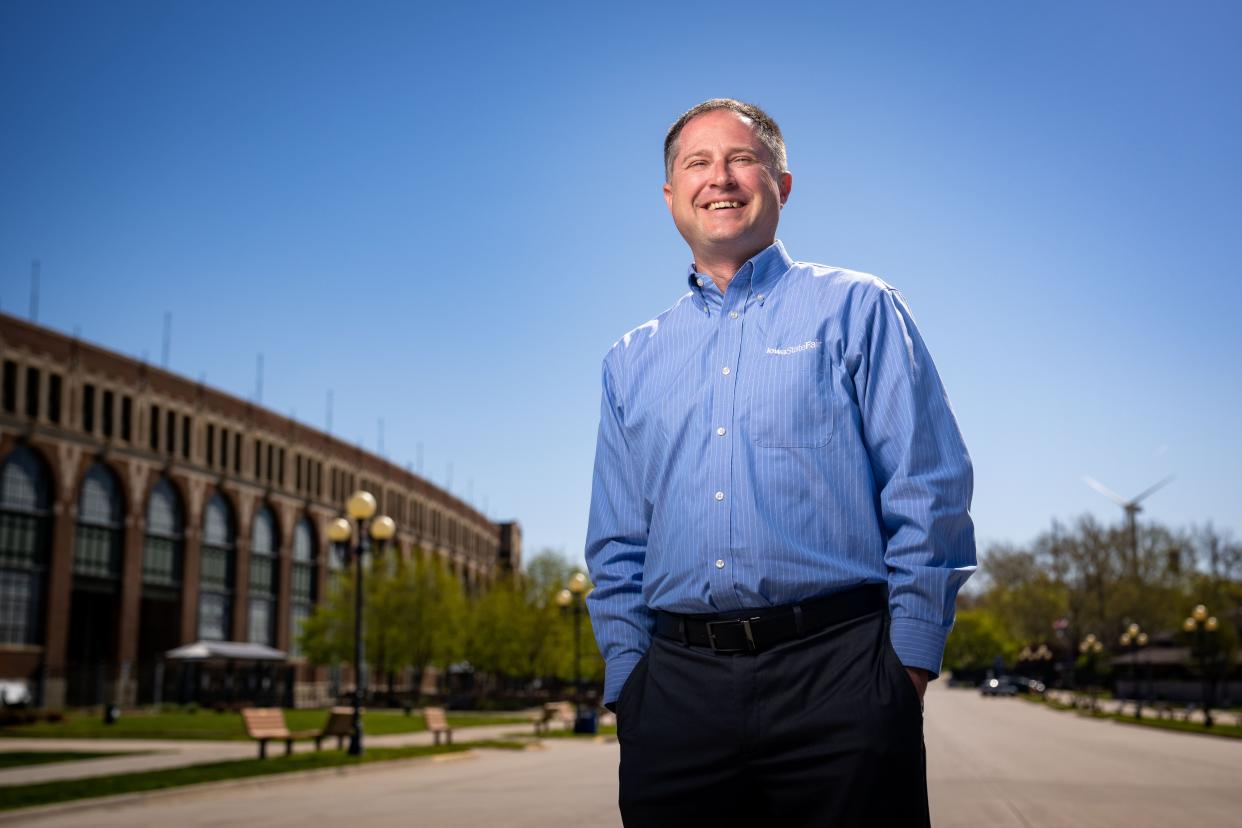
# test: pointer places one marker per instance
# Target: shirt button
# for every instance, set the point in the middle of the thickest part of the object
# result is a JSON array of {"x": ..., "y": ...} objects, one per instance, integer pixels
[
  {"x": 733, "y": 314},
  {"x": 720, "y": 495},
  {"x": 720, "y": 563},
  {"x": 761, "y": 297},
  {"x": 720, "y": 432},
  {"x": 725, "y": 370},
  {"x": 700, "y": 281}
]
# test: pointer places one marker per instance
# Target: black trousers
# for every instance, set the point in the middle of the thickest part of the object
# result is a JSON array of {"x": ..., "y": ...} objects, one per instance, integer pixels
[{"x": 826, "y": 730}]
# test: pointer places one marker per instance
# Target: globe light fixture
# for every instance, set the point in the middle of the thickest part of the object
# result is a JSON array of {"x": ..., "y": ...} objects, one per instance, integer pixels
[
  {"x": 339, "y": 531},
  {"x": 383, "y": 528},
  {"x": 577, "y": 583},
  {"x": 361, "y": 505},
  {"x": 1200, "y": 613},
  {"x": 564, "y": 598}
]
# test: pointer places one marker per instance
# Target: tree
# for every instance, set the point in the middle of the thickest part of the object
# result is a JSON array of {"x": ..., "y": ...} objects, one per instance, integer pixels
[
  {"x": 978, "y": 638},
  {"x": 413, "y": 616}
]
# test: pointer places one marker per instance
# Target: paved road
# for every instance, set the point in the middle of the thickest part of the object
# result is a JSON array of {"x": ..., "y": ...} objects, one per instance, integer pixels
[
  {"x": 992, "y": 762},
  {"x": 1006, "y": 762}
]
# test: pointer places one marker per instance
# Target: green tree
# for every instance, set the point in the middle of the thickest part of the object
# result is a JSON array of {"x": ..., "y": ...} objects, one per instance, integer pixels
[{"x": 978, "y": 637}]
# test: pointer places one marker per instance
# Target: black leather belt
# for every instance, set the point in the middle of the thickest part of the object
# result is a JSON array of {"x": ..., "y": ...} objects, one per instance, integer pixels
[{"x": 757, "y": 630}]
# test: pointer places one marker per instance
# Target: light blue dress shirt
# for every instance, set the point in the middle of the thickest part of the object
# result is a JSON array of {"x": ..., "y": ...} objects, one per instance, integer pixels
[{"x": 785, "y": 440}]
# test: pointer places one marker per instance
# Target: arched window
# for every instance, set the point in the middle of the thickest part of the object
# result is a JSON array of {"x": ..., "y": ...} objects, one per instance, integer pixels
[
  {"x": 25, "y": 498},
  {"x": 163, "y": 545},
  {"x": 302, "y": 593},
  {"x": 263, "y": 551},
  {"x": 218, "y": 559},
  {"x": 97, "y": 543}
]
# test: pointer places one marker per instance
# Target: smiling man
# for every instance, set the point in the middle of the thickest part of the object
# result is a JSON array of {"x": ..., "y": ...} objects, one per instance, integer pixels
[{"x": 779, "y": 518}]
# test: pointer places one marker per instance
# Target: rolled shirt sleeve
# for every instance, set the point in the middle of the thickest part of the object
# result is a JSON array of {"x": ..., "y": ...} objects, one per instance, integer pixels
[
  {"x": 616, "y": 545},
  {"x": 924, "y": 480}
]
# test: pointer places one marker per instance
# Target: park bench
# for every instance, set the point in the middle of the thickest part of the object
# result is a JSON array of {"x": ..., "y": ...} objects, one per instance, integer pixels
[
  {"x": 340, "y": 724},
  {"x": 437, "y": 723},
  {"x": 560, "y": 711},
  {"x": 264, "y": 724}
]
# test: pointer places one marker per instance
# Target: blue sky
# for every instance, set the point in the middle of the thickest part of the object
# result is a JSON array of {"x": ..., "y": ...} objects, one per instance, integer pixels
[{"x": 447, "y": 216}]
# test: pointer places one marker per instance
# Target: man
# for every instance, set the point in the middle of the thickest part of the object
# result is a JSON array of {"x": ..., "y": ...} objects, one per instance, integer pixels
[{"x": 779, "y": 519}]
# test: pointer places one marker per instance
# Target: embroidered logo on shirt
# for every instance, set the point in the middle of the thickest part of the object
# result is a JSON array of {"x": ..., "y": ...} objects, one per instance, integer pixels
[{"x": 809, "y": 345}]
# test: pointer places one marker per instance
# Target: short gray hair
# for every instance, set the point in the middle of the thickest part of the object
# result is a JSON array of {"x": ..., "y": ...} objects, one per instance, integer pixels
[{"x": 768, "y": 133}]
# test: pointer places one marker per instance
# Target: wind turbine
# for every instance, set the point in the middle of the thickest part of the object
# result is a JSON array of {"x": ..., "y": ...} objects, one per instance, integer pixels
[{"x": 1131, "y": 508}]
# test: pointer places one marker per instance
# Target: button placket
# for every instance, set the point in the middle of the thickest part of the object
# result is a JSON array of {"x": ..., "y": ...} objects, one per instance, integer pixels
[{"x": 719, "y": 471}]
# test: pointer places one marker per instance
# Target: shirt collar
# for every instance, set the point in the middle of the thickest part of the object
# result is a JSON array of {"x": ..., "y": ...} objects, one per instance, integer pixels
[{"x": 760, "y": 274}]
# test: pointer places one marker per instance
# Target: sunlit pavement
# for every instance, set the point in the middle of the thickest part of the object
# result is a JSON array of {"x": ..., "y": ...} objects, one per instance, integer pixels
[
  {"x": 992, "y": 762},
  {"x": 1006, "y": 762}
]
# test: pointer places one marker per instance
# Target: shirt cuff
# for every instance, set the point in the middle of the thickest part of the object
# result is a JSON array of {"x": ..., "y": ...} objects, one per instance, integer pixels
[
  {"x": 616, "y": 672},
  {"x": 918, "y": 643}
]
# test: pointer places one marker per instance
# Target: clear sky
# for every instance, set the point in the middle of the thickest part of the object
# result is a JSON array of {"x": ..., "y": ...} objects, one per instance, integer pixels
[{"x": 447, "y": 216}]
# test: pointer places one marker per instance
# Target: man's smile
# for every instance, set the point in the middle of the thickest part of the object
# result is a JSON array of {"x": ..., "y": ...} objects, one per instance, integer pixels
[{"x": 724, "y": 205}]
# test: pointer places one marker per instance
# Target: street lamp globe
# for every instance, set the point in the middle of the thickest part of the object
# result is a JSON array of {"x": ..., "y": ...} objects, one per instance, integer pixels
[
  {"x": 1200, "y": 613},
  {"x": 564, "y": 597},
  {"x": 1189, "y": 624},
  {"x": 1142, "y": 639},
  {"x": 1211, "y": 624},
  {"x": 577, "y": 583},
  {"x": 383, "y": 528},
  {"x": 339, "y": 531},
  {"x": 1125, "y": 639},
  {"x": 1133, "y": 630},
  {"x": 361, "y": 505}
]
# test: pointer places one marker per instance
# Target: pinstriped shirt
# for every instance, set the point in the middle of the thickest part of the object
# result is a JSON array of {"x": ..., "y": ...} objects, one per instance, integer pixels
[{"x": 787, "y": 439}]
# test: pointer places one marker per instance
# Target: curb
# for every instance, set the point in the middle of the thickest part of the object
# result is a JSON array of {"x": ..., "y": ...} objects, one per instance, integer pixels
[{"x": 20, "y": 815}]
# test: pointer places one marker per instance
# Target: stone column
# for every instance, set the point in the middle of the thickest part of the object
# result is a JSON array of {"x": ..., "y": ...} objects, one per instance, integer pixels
[
  {"x": 60, "y": 575},
  {"x": 287, "y": 515},
  {"x": 131, "y": 585},
  {"x": 192, "y": 560}
]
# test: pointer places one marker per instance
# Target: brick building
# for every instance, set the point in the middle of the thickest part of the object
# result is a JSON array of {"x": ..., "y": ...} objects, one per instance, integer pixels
[{"x": 140, "y": 511}]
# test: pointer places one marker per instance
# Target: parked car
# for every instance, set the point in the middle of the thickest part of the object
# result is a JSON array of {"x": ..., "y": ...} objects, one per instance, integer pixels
[{"x": 999, "y": 686}]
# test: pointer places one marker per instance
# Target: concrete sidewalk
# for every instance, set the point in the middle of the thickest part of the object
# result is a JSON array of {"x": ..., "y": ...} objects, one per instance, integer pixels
[{"x": 161, "y": 753}]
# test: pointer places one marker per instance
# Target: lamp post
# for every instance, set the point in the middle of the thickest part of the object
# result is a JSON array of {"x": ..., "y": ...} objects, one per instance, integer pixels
[
  {"x": 1203, "y": 627},
  {"x": 361, "y": 507},
  {"x": 1132, "y": 639},
  {"x": 573, "y": 596},
  {"x": 1091, "y": 647}
]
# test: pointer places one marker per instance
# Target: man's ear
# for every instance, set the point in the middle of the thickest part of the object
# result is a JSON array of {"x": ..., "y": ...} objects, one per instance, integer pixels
[
  {"x": 785, "y": 183},
  {"x": 668, "y": 195}
]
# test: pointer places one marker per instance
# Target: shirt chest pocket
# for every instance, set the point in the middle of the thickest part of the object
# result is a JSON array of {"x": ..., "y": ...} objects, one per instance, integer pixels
[{"x": 790, "y": 401}]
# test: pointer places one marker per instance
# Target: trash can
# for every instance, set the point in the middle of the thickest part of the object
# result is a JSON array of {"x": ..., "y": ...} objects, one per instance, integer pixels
[{"x": 587, "y": 721}]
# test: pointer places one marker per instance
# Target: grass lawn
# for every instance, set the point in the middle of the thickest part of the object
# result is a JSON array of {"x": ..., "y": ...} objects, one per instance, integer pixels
[
  {"x": 44, "y": 793},
  {"x": 24, "y": 758},
  {"x": 1227, "y": 731},
  {"x": 207, "y": 724},
  {"x": 604, "y": 730}
]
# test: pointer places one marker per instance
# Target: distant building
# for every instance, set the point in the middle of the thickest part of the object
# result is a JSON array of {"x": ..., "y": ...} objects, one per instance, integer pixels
[{"x": 141, "y": 511}]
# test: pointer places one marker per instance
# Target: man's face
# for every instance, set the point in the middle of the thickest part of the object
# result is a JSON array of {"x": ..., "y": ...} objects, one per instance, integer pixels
[{"x": 724, "y": 193}]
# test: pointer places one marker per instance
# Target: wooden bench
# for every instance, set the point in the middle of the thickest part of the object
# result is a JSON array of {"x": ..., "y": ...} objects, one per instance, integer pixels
[
  {"x": 560, "y": 711},
  {"x": 437, "y": 723},
  {"x": 340, "y": 724},
  {"x": 266, "y": 723}
]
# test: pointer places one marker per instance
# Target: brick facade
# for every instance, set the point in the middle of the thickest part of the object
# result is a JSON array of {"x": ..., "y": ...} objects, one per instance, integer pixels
[{"x": 74, "y": 406}]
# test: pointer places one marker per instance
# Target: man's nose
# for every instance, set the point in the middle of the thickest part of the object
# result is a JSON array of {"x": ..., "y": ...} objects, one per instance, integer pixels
[{"x": 722, "y": 175}]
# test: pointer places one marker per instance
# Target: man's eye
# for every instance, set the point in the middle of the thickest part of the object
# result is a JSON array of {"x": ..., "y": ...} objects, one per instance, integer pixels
[
  {"x": 743, "y": 159},
  {"x": 699, "y": 163}
]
